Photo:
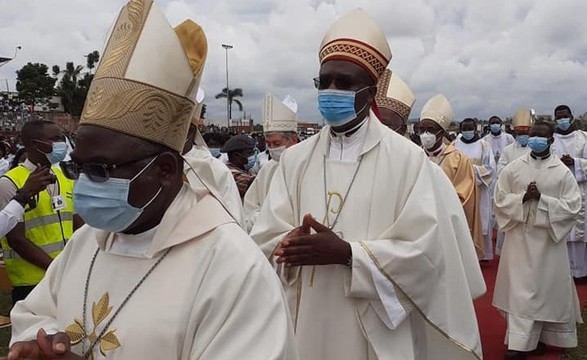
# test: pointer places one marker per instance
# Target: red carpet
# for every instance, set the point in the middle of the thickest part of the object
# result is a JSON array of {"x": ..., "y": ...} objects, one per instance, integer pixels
[{"x": 492, "y": 325}]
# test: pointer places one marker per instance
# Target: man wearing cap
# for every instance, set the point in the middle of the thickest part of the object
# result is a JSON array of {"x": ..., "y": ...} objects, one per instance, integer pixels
[
  {"x": 498, "y": 138},
  {"x": 435, "y": 119},
  {"x": 280, "y": 128},
  {"x": 570, "y": 145},
  {"x": 394, "y": 101},
  {"x": 479, "y": 152},
  {"x": 362, "y": 241},
  {"x": 162, "y": 271},
  {"x": 522, "y": 121},
  {"x": 204, "y": 172},
  {"x": 536, "y": 202},
  {"x": 242, "y": 157}
]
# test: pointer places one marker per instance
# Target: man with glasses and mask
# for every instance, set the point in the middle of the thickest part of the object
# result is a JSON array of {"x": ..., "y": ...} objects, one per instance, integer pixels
[
  {"x": 394, "y": 101},
  {"x": 570, "y": 145},
  {"x": 435, "y": 119},
  {"x": 353, "y": 221},
  {"x": 280, "y": 129},
  {"x": 162, "y": 271},
  {"x": 49, "y": 222},
  {"x": 242, "y": 157},
  {"x": 479, "y": 152}
]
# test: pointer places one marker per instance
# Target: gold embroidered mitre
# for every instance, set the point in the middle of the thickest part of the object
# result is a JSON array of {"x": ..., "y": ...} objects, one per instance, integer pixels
[
  {"x": 522, "y": 119},
  {"x": 438, "y": 109},
  {"x": 148, "y": 76},
  {"x": 394, "y": 94},
  {"x": 357, "y": 37},
  {"x": 277, "y": 116}
]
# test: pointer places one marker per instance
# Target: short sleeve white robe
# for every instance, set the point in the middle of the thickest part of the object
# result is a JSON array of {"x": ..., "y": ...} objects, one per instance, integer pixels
[
  {"x": 214, "y": 296},
  {"x": 533, "y": 279},
  {"x": 406, "y": 255}
]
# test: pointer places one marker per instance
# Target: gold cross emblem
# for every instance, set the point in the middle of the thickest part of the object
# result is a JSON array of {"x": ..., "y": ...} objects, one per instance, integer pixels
[{"x": 100, "y": 311}]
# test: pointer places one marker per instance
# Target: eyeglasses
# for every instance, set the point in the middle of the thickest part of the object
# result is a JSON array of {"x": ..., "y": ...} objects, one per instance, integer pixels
[
  {"x": 94, "y": 171},
  {"x": 340, "y": 83}
]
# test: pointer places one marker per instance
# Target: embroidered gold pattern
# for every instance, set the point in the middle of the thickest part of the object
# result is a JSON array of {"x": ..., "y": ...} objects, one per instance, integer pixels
[
  {"x": 124, "y": 37},
  {"x": 153, "y": 114},
  {"x": 383, "y": 101},
  {"x": 100, "y": 312},
  {"x": 370, "y": 58}
]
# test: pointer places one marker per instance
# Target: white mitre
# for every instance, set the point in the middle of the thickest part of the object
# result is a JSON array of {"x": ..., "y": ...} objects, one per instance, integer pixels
[
  {"x": 394, "y": 94},
  {"x": 279, "y": 116},
  {"x": 148, "y": 76},
  {"x": 438, "y": 109}
]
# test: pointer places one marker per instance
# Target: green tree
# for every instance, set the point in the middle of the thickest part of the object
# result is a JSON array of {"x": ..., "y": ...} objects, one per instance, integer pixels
[
  {"x": 74, "y": 84},
  {"x": 34, "y": 84},
  {"x": 93, "y": 58},
  {"x": 231, "y": 94}
]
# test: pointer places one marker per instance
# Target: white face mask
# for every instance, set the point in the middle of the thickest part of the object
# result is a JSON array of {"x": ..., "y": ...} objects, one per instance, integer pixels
[
  {"x": 276, "y": 152},
  {"x": 428, "y": 140}
]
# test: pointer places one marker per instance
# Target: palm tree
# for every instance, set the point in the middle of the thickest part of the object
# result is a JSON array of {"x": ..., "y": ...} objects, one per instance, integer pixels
[
  {"x": 231, "y": 95},
  {"x": 69, "y": 87}
]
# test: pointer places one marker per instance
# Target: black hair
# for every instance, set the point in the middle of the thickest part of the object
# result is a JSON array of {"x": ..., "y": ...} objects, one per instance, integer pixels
[
  {"x": 19, "y": 153},
  {"x": 33, "y": 129},
  {"x": 468, "y": 120},
  {"x": 563, "y": 107},
  {"x": 495, "y": 117},
  {"x": 547, "y": 124},
  {"x": 217, "y": 137}
]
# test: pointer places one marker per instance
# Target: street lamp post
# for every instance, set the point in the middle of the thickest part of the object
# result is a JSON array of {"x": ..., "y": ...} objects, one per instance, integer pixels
[
  {"x": 228, "y": 109},
  {"x": 4, "y": 61}
]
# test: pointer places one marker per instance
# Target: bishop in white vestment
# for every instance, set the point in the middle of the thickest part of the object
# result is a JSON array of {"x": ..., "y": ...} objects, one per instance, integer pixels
[
  {"x": 536, "y": 202},
  {"x": 160, "y": 270}
]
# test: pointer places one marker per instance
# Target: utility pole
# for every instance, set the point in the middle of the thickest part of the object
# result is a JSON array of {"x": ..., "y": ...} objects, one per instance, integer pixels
[{"x": 228, "y": 105}]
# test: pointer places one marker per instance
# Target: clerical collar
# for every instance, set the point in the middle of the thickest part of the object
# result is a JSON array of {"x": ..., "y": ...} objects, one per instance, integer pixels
[
  {"x": 498, "y": 134},
  {"x": 437, "y": 151},
  {"x": 536, "y": 157},
  {"x": 132, "y": 245},
  {"x": 351, "y": 131},
  {"x": 474, "y": 139},
  {"x": 565, "y": 136}
]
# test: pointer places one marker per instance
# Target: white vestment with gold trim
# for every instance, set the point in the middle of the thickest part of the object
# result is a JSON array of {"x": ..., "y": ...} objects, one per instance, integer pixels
[
  {"x": 213, "y": 297},
  {"x": 414, "y": 271}
]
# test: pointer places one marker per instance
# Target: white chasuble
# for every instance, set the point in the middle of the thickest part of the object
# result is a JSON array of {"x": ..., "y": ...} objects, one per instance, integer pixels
[
  {"x": 533, "y": 279},
  {"x": 255, "y": 196},
  {"x": 397, "y": 225},
  {"x": 213, "y": 296}
]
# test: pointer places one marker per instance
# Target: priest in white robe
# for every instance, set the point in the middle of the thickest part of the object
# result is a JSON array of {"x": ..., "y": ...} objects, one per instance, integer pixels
[
  {"x": 497, "y": 138},
  {"x": 570, "y": 145},
  {"x": 536, "y": 202},
  {"x": 522, "y": 121},
  {"x": 160, "y": 271},
  {"x": 358, "y": 230},
  {"x": 479, "y": 152},
  {"x": 204, "y": 172}
]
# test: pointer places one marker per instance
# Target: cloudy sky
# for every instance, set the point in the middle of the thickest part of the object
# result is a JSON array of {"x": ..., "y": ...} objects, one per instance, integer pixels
[{"x": 487, "y": 57}]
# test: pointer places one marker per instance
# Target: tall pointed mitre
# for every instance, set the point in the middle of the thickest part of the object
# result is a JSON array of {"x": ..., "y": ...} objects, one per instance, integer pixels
[
  {"x": 522, "y": 119},
  {"x": 358, "y": 38},
  {"x": 438, "y": 109},
  {"x": 148, "y": 76},
  {"x": 394, "y": 94},
  {"x": 277, "y": 116}
]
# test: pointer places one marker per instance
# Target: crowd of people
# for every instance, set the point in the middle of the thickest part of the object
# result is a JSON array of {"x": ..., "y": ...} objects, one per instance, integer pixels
[{"x": 145, "y": 238}]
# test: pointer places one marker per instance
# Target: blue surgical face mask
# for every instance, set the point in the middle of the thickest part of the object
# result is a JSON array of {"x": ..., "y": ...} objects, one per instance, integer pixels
[
  {"x": 563, "y": 124},
  {"x": 58, "y": 153},
  {"x": 468, "y": 135},
  {"x": 251, "y": 161},
  {"x": 104, "y": 205},
  {"x": 495, "y": 128},
  {"x": 522, "y": 139},
  {"x": 215, "y": 152},
  {"x": 338, "y": 106},
  {"x": 538, "y": 144}
]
